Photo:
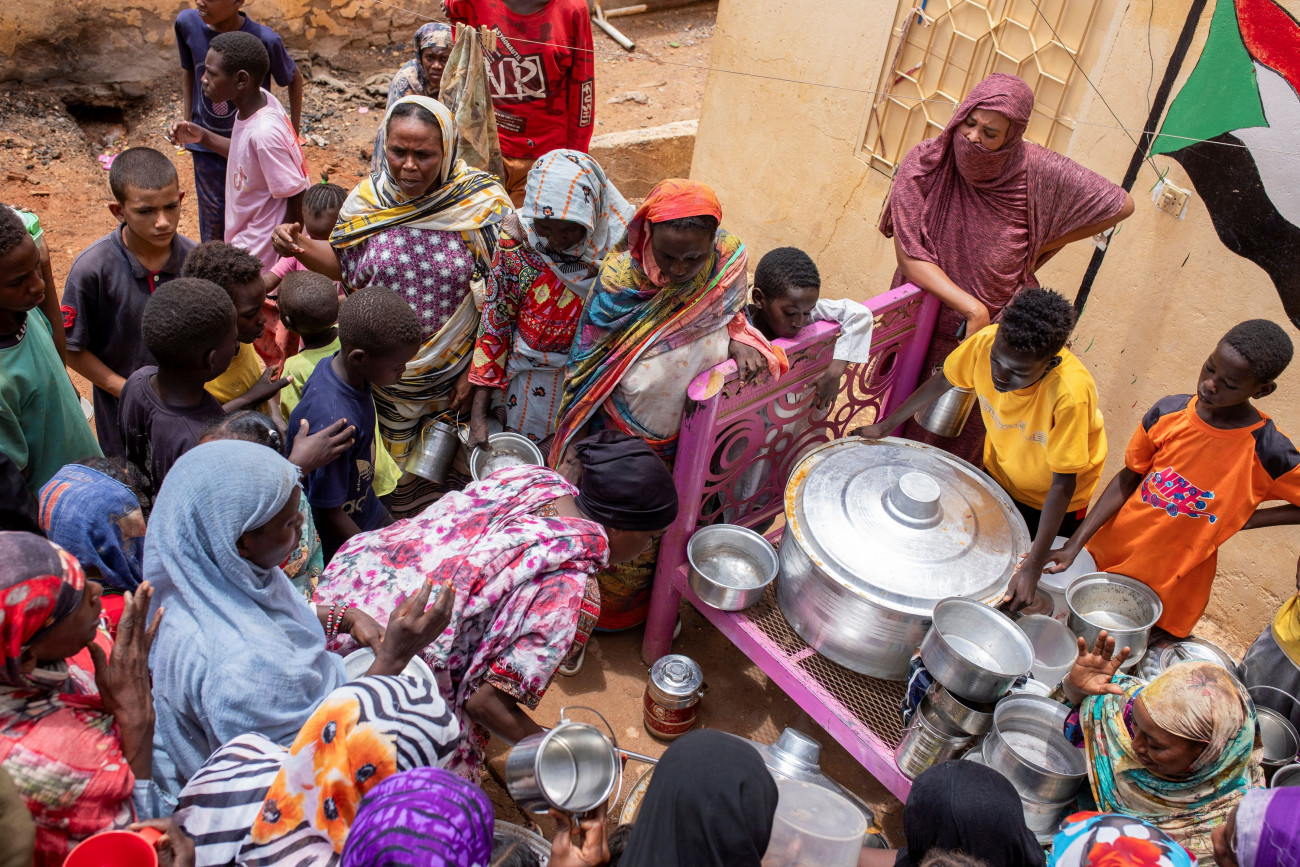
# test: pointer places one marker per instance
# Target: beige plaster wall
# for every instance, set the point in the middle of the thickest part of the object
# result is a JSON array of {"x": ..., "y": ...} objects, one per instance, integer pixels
[
  {"x": 784, "y": 157},
  {"x": 115, "y": 46}
]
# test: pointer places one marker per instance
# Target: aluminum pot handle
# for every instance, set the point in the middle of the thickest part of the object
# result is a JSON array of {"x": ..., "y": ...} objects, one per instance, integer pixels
[{"x": 618, "y": 790}]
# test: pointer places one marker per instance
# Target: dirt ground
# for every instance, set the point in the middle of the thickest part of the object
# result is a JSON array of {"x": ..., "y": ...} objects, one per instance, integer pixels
[{"x": 49, "y": 162}]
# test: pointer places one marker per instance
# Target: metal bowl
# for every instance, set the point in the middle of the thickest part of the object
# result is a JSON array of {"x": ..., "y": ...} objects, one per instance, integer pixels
[
  {"x": 1124, "y": 607},
  {"x": 1285, "y": 776},
  {"x": 974, "y": 650},
  {"x": 730, "y": 566},
  {"x": 505, "y": 449},
  {"x": 505, "y": 832},
  {"x": 1044, "y": 817},
  {"x": 1279, "y": 736},
  {"x": 1168, "y": 650},
  {"x": 358, "y": 662},
  {"x": 1028, "y": 747},
  {"x": 974, "y": 718}
]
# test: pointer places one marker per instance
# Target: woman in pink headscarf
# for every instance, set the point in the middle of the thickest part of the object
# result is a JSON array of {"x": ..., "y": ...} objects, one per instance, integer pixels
[{"x": 976, "y": 210}]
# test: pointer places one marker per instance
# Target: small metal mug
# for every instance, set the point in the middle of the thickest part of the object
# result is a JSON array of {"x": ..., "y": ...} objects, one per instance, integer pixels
[
  {"x": 947, "y": 415},
  {"x": 435, "y": 452},
  {"x": 573, "y": 767}
]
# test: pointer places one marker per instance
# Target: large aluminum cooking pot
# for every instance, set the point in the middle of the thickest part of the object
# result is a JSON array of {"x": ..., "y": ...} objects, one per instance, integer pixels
[{"x": 877, "y": 533}]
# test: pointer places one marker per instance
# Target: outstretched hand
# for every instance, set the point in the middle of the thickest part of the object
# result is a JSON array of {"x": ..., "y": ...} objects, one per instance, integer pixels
[
  {"x": 413, "y": 626},
  {"x": 311, "y": 451},
  {"x": 122, "y": 678},
  {"x": 1094, "y": 668},
  {"x": 1060, "y": 559},
  {"x": 285, "y": 239}
]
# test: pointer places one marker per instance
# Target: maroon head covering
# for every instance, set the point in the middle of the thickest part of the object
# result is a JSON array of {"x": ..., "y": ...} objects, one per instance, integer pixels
[{"x": 982, "y": 216}]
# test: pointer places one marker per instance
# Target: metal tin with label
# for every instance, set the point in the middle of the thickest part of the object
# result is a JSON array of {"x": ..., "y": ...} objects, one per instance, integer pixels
[{"x": 672, "y": 695}]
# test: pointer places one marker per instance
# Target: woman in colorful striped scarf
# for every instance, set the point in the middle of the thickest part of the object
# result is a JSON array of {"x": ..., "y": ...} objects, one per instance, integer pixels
[{"x": 424, "y": 225}]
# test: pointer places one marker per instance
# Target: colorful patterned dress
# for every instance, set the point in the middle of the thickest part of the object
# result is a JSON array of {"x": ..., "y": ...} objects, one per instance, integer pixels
[
  {"x": 525, "y": 591},
  {"x": 529, "y": 319}
]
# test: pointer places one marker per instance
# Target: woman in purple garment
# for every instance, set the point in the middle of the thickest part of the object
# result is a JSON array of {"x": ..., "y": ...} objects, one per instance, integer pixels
[{"x": 975, "y": 211}]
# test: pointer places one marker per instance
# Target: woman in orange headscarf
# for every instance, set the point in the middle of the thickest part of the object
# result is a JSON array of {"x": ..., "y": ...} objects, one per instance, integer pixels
[{"x": 667, "y": 305}]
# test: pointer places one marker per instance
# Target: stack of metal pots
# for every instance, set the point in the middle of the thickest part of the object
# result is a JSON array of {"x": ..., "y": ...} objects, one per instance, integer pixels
[
  {"x": 975, "y": 654},
  {"x": 1027, "y": 745}
]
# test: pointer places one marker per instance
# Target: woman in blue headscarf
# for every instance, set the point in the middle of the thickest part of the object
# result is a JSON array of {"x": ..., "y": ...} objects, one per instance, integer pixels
[
  {"x": 90, "y": 511},
  {"x": 240, "y": 650}
]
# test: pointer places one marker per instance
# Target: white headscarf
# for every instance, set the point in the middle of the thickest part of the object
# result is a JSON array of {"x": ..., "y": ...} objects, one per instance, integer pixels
[{"x": 569, "y": 185}]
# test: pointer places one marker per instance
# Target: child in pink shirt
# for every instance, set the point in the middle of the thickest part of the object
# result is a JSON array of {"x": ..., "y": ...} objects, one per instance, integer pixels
[{"x": 266, "y": 175}]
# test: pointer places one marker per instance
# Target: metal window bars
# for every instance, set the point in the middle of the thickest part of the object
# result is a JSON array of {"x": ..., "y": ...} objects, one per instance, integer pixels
[{"x": 942, "y": 48}]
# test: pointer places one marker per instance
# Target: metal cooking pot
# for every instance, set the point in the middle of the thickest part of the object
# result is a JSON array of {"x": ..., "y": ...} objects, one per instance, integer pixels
[
  {"x": 975, "y": 650},
  {"x": 505, "y": 449},
  {"x": 1286, "y": 776},
  {"x": 435, "y": 451},
  {"x": 877, "y": 533},
  {"x": 1125, "y": 607},
  {"x": 730, "y": 566},
  {"x": 573, "y": 767},
  {"x": 1280, "y": 740},
  {"x": 947, "y": 415},
  {"x": 959, "y": 714},
  {"x": 927, "y": 742},
  {"x": 1027, "y": 745}
]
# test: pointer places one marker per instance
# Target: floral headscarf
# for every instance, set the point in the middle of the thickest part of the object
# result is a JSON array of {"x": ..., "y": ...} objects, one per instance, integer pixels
[
  {"x": 99, "y": 520},
  {"x": 41, "y": 584},
  {"x": 1197, "y": 700},
  {"x": 1112, "y": 840}
]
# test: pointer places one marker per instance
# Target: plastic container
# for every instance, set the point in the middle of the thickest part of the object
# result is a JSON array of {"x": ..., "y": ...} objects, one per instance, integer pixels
[
  {"x": 1054, "y": 585},
  {"x": 116, "y": 849},
  {"x": 1054, "y": 647},
  {"x": 814, "y": 827}
]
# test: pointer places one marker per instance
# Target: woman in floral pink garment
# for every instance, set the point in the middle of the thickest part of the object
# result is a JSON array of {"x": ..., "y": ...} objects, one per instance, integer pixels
[{"x": 521, "y": 549}]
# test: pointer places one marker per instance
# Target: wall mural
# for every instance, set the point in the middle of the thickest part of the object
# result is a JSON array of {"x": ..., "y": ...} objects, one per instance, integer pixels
[{"x": 1242, "y": 100}]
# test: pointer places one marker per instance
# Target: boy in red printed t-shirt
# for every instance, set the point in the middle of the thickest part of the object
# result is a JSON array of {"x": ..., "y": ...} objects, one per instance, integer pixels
[
  {"x": 541, "y": 77},
  {"x": 1196, "y": 471}
]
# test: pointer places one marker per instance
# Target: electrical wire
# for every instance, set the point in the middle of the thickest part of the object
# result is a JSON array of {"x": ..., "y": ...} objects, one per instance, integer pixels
[{"x": 1128, "y": 131}]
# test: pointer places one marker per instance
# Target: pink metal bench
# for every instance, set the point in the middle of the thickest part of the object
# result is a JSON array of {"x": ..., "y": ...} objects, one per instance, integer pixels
[{"x": 728, "y": 429}]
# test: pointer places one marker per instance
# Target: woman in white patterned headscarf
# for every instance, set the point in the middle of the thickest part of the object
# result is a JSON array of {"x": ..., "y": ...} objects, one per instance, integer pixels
[{"x": 546, "y": 260}]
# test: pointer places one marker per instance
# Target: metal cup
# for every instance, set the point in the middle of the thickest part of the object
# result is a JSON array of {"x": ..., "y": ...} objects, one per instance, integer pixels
[
  {"x": 947, "y": 415},
  {"x": 573, "y": 767},
  {"x": 435, "y": 451}
]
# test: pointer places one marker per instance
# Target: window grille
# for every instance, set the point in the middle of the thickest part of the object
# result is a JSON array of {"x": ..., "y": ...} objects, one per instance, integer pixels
[{"x": 940, "y": 52}]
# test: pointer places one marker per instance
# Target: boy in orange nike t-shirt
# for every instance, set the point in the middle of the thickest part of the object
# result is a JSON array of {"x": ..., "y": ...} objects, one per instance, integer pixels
[{"x": 1195, "y": 472}]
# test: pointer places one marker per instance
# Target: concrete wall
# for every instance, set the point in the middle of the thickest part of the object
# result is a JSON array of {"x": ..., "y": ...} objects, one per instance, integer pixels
[
  {"x": 108, "y": 46},
  {"x": 785, "y": 160}
]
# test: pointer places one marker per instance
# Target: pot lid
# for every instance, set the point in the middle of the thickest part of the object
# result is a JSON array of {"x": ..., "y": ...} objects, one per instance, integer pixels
[
  {"x": 904, "y": 523},
  {"x": 676, "y": 675}
]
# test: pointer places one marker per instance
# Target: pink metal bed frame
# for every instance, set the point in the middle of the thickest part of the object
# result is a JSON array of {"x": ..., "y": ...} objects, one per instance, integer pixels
[{"x": 738, "y": 445}]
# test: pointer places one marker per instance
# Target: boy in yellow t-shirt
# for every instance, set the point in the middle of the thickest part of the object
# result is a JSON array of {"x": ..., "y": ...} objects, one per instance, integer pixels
[
  {"x": 309, "y": 308},
  {"x": 1045, "y": 442}
]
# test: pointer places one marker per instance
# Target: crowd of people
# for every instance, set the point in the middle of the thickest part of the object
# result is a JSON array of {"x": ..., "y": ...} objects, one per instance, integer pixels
[{"x": 181, "y": 582}]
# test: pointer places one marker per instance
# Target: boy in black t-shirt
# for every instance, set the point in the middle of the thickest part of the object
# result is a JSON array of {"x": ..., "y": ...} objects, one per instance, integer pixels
[
  {"x": 111, "y": 281},
  {"x": 189, "y": 326},
  {"x": 379, "y": 334}
]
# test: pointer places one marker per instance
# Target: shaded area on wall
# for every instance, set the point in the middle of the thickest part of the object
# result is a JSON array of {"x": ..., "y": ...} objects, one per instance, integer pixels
[{"x": 1240, "y": 111}]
